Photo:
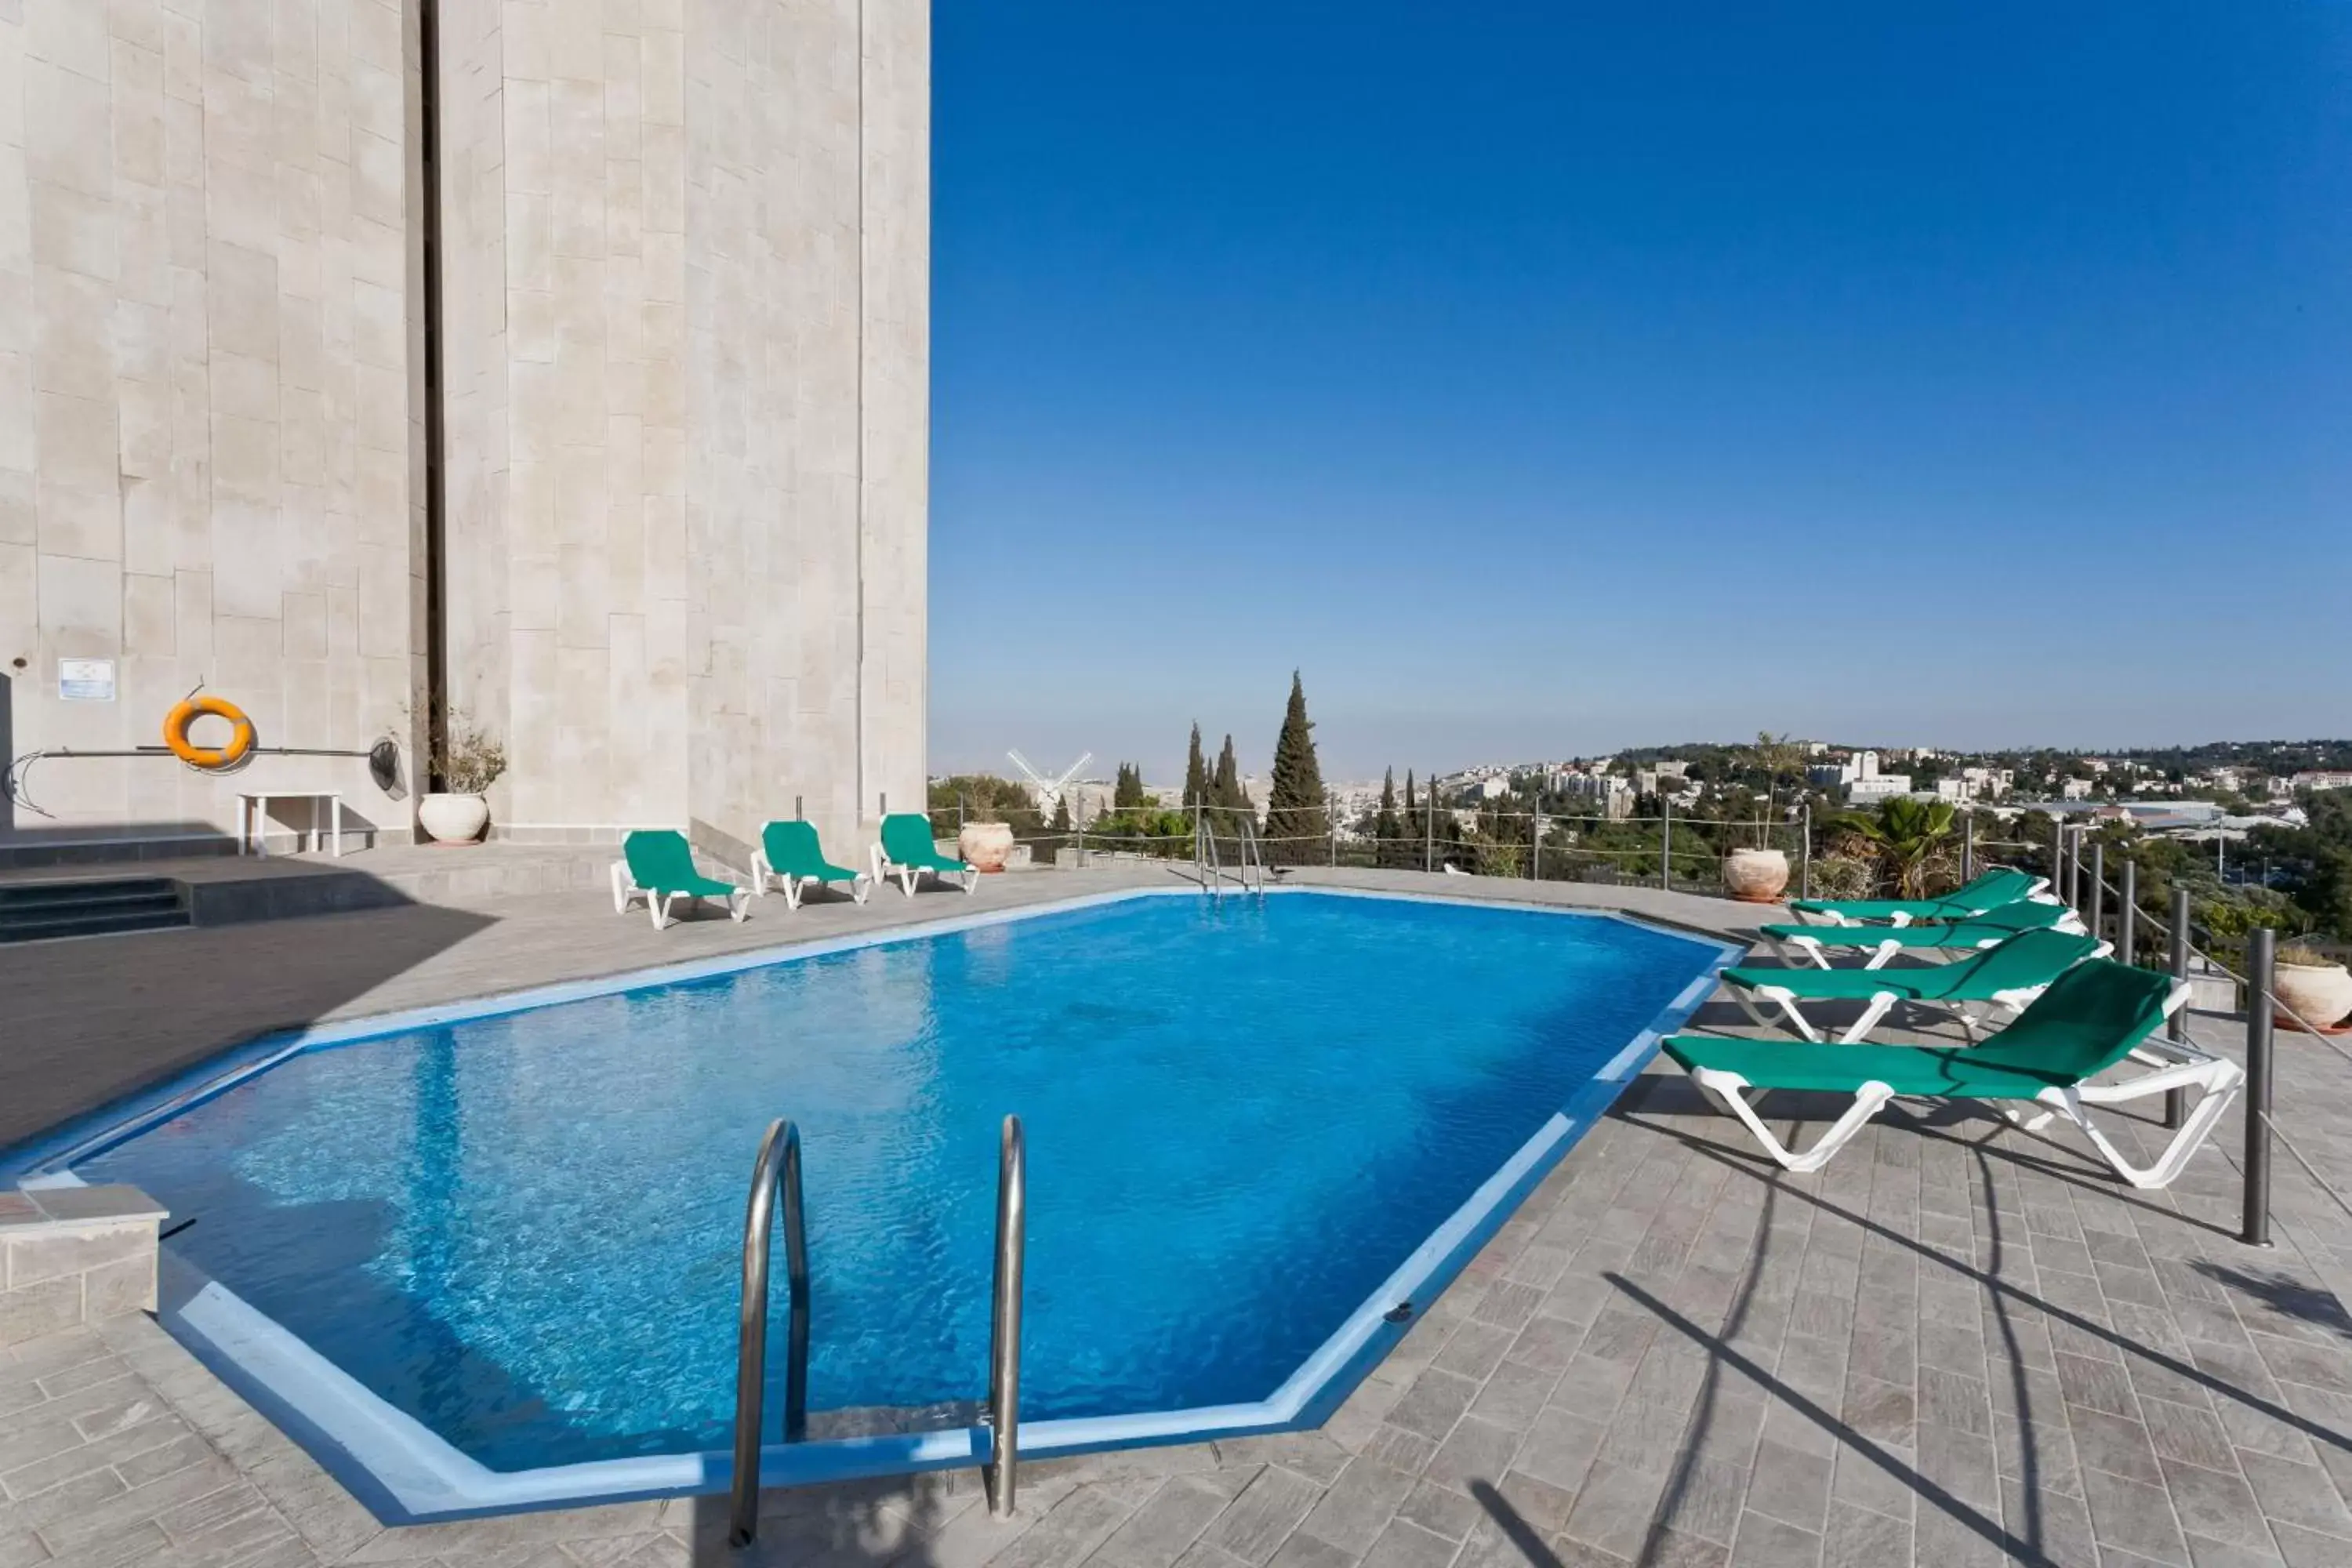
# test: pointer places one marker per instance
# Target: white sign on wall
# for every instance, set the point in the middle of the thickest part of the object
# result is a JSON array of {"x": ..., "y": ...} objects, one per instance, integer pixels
[{"x": 86, "y": 680}]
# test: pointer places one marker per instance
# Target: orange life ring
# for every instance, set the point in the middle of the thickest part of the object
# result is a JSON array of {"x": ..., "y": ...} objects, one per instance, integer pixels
[{"x": 176, "y": 727}]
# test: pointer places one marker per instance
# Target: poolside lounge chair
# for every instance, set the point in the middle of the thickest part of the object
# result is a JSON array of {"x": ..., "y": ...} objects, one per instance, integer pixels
[
  {"x": 2092, "y": 1018},
  {"x": 657, "y": 866},
  {"x": 2002, "y": 885},
  {"x": 1812, "y": 944},
  {"x": 789, "y": 851},
  {"x": 907, "y": 852},
  {"x": 2003, "y": 978}
]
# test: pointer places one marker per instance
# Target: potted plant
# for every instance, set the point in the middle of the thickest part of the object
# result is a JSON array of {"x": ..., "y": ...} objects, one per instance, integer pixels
[
  {"x": 2312, "y": 986},
  {"x": 986, "y": 838},
  {"x": 467, "y": 759},
  {"x": 1759, "y": 875}
]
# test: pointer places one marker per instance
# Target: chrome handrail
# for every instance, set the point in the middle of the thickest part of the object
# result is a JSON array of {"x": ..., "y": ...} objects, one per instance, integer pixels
[
  {"x": 1206, "y": 862},
  {"x": 1004, "y": 1323},
  {"x": 775, "y": 1176}
]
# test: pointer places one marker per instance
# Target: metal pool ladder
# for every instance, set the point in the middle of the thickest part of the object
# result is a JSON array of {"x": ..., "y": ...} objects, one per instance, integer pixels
[
  {"x": 1205, "y": 861},
  {"x": 1253, "y": 857},
  {"x": 776, "y": 1181}
]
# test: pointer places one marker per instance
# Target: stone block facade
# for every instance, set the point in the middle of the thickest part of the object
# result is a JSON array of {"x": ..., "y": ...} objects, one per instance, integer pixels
[
  {"x": 74, "y": 1256},
  {"x": 684, "y": 347}
]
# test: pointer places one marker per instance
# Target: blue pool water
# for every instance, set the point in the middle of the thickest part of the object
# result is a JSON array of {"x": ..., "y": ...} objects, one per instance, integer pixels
[{"x": 525, "y": 1230}]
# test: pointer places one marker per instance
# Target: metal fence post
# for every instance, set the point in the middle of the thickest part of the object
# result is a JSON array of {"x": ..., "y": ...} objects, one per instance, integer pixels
[
  {"x": 2177, "y": 1029},
  {"x": 1335, "y": 846},
  {"x": 1805, "y": 855},
  {"x": 2058, "y": 861},
  {"x": 1969, "y": 847},
  {"x": 1665, "y": 840},
  {"x": 2127, "y": 911},
  {"x": 1534, "y": 842},
  {"x": 2260, "y": 953},
  {"x": 2095, "y": 896},
  {"x": 799, "y": 813},
  {"x": 2074, "y": 870}
]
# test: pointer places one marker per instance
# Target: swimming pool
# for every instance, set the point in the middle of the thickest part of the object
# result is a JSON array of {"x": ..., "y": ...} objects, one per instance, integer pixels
[{"x": 1251, "y": 1123}]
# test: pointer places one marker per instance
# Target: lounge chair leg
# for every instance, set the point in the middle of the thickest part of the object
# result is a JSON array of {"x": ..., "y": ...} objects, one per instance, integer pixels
[
  {"x": 1881, "y": 1004},
  {"x": 858, "y": 887},
  {"x": 1784, "y": 1002},
  {"x": 621, "y": 888},
  {"x": 1724, "y": 1089},
  {"x": 792, "y": 886},
  {"x": 2223, "y": 1079},
  {"x": 658, "y": 909},
  {"x": 759, "y": 874},
  {"x": 739, "y": 906}
]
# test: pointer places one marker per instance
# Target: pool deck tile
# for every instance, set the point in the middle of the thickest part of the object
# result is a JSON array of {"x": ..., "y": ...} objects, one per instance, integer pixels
[{"x": 1958, "y": 1344}]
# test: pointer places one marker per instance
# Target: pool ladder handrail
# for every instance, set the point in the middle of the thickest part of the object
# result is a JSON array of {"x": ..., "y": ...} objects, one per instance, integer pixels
[
  {"x": 1253, "y": 857},
  {"x": 1206, "y": 863},
  {"x": 1005, "y": 1320},
  {"x": 775, "y": 1182}
]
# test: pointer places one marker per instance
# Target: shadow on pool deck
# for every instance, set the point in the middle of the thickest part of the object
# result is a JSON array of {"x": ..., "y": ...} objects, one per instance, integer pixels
[{"x": 94, "y": 1020}]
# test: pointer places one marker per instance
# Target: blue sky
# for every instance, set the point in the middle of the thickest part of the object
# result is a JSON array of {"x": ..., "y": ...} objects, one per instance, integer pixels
[{"x": 1546, "y": 378}]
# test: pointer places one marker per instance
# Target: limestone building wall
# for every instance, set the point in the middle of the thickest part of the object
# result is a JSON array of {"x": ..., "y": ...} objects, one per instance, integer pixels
[
  {"x": 688, "y": 480},
  {"x": 685, "y": 264},
  {"x": 208, "y": 464}
]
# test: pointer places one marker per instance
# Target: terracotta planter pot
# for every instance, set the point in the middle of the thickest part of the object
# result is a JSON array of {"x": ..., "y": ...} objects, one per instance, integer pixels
[
  {"x": 1755, "y": 876},
  {"x": 453, "y": 819},
  {"x": 985, "y": 844},
  {"x": 2319, "y": 993}
]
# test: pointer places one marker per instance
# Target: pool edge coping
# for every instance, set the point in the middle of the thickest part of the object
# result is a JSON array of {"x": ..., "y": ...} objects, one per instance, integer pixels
[{"x": 407, "y": 1474}]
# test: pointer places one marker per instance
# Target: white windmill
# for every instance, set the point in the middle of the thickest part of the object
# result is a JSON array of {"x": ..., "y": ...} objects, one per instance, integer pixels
[{"x": 1049, "y": 791}]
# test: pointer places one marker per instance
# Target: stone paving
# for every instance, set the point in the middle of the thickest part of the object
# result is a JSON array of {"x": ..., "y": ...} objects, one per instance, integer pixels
[{"x": 1959, "y": 1344}]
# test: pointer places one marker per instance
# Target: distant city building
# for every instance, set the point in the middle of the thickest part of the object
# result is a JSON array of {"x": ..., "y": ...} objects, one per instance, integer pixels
[
  {"x": 2322, "y": 779},
  {"x": 1878, "y": 787},
  {"x": 2074, "y": 789}
]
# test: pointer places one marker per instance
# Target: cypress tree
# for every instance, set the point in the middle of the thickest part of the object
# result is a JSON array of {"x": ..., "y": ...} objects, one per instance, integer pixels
[
  {"x": 1226, "y": 789},
  {"x": 1196, "y": 772},
  {"x": 1127, "y": 795},
  {"x": 1409, "y": 852},
  {"x": 1385, "y": 827},
  {"x": 1295, "y": 800},
  {"x": 1061, "y": 814}
]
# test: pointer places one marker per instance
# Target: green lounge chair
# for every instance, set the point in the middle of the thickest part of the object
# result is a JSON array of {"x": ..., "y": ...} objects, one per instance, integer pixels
[
  {"x": 789, "y": 852},
  {"x": 1812, "y": 944},
  {"x": 907, "y": 852},
  {"x": 2092, "y": 1018},
  {"x": 2002, "y": 885},
  {"x": 657, "y": 866},
  {"x": 2002, "y": 979}
]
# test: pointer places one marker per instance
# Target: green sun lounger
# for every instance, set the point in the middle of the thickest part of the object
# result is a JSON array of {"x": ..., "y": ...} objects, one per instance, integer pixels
[
  {"x": 2002, "y": 885},
  {"x": 1812, "y": 944},
  {"x": 789, "y": 852},
  {"x": 657, "y": 866},
  {"x": 907, "y": 853},
  {"x": 2092, "y": 1018},
  {"x": 2000, "y": 979}
]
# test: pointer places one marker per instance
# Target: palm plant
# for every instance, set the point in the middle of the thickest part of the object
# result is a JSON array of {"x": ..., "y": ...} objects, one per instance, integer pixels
[{"x": 1910, "y": 841}]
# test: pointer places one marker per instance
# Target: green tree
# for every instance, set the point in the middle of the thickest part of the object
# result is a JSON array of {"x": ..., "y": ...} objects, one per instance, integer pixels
[
  {"x": 1196, "y": 772},
  {"x": 1127, "y": 793},
  {"x": 1225, "y": 791},
  {"x": 1061, "y": 814},
  {"x": 1386, "y": 830},
  {"x": 1294, "y": 803}
]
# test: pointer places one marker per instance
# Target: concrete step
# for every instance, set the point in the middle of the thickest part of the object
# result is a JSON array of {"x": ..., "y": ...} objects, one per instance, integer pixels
[{"x": 44, "y": 911}]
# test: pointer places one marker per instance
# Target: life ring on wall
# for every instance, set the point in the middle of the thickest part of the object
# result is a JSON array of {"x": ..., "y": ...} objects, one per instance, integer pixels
[{"x": 177, "y": 725}]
